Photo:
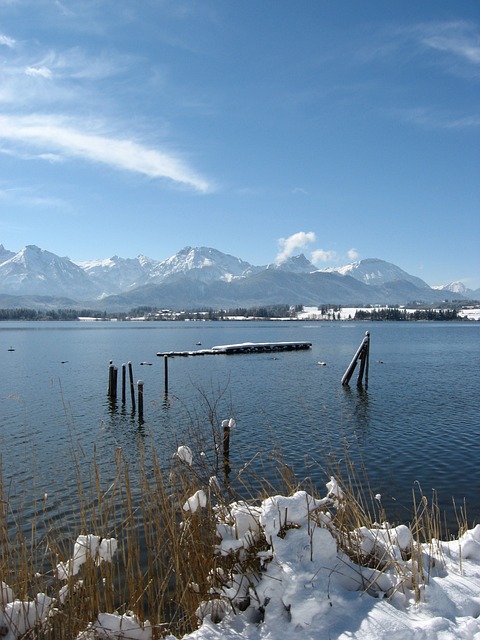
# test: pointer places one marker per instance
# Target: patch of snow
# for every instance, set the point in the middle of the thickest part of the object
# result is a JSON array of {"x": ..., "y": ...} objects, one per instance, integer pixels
[
  {"x": 199, "y": 499},
  {"x": 112, "y": 626},
  {"x": 184, "y": 454}
]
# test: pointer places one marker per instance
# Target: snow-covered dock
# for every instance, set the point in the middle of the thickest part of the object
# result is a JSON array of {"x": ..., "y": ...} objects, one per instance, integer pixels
[{"x": 244, "y": 347}]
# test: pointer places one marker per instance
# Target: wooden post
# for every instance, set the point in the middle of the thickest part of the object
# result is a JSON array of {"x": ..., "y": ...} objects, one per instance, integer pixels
[
  {"x": 363, "y": 357},
  {"x": 226, "y": 446},
  {"x": 123, "y": 382},
  {"x": 110, "y": 379},
  {"x": 165, "y": 366},
  {"x": 227, "y": 425},
  {"x": 140, "y": 398},
  {"x": 367, "y": 357},
  {"x": 112, "y": 382},
  {"x": 364, "y": 349},
  {"x": 132, "y": 387}
]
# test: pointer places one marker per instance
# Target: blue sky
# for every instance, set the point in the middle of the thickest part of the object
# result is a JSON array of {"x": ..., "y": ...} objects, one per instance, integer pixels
[{"x": 262, "y": 128}]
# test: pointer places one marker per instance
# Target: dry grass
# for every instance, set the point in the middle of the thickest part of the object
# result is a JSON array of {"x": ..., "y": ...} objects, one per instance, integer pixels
[{"x": 165, "y": 561}]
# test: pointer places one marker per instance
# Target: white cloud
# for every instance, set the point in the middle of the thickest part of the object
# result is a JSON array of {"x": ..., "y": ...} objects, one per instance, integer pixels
[
  {"x": 459, "y": 38},
  {"x": 43, "y": 72},
  {"x": 49, "y": 133},
  {"x": 296, "y": 241},
  {"x": 352, "y": 254},
  {"x": 319, "y": 255},
  {"x": 6, "y": 41}
]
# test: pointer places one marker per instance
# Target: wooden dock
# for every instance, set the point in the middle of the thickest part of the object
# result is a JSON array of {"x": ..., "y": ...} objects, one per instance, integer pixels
[{"x": 244, "y": 347}]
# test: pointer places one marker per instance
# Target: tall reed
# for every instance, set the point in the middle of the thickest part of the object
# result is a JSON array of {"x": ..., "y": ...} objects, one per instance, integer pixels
[{"x": 165, "y": 562}]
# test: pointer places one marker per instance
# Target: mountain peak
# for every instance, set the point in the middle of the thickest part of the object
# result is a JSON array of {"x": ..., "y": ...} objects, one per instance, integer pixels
[
  {"x": 453, "y": 287},
  {"x": 374, "y": 271},
  {"x": 294, "y": 264},
  {"x": 199, "y": 276},
  {"x": 201, "y": 263}
]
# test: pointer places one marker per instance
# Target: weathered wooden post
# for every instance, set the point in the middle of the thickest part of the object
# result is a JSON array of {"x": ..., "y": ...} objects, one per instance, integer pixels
[
  {"x": 227, "y": 426},
  {"x": 140, "y": 399},
  {"x": 132, "y": 387},
  {"x": 165, "y": 366},
  {"x": 123, "y": 382},
  {"x": 226, "y": 447},
  {"x": 367, "y": 358},
  {"x": 362, "y": 353},
  {"x": 110, "y": 379},
  {"x": 114, "y": 385},
  {"x": 361, "y": 371}
]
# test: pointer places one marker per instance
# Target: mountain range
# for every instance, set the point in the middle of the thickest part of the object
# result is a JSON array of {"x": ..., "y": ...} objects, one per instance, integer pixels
[{"x": 203, "y": 277}]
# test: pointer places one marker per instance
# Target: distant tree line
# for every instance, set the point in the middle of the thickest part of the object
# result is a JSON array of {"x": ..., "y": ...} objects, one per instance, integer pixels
[
  {"x": 271, "y": 311},
  {"x": 50, "y": 314},
  {"x": 403, "y": 315},
  {"x": 264, "y": 312}
]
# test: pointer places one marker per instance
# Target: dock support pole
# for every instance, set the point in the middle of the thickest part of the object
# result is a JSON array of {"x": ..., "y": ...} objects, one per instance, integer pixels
[
  {"x": 110, "y": 379},
  {"x": 123, "y": 382},
  {"x": 226, "y": 446},
  {"x": 115, "y": 379},
  {"x": 132, "y": 387},
  {"x": 140, "y": 399},
  {"x": 165, "y": 366},
  {"x": 362, "y": 354}
]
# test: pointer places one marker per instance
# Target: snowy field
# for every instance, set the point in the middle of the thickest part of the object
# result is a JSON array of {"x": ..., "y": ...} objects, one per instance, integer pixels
[{"x": 348, "y": 313}]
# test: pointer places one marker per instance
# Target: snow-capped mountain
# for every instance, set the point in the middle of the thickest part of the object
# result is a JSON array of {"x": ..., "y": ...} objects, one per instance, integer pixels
[
  {"x": 454, "y": 287},
  {"x": 115, "y": 275},
  {"x": 373, "y": 271},
  {"x": 295, "y": 264},
  {"x": 5, "y": 255},
  {"x": 201, "y": 277},
  {"x": 34, "y": 271},
  {"x": 201, "y": 263}
]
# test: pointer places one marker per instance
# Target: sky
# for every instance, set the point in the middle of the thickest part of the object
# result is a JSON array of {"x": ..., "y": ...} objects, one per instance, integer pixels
[{"x": 261, "y": 128}]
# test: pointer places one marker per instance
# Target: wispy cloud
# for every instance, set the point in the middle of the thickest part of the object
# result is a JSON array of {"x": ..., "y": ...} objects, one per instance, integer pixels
[
  {"x": 43, "y": 72},
  {"x": 49, "y": 133},
  {"x": 296, "y": 241},
  {"x": 6, "y": 41},
  {"x": 430, "y": 119},
  {"x": 459, "y": 38},
  {"x": 19, "y": 196},
  {"x": 455, "y": 45}
]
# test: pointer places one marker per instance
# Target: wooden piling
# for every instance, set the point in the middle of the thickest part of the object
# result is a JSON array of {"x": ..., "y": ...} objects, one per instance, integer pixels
[
  {"x": 132, "y": 386},
  {"x": 361, "y": 371},
  {"x": 124, "y": 382},
  {"x": 114, "y": 383},
  {"x": 226, "y": 447},
  {"x": 165, "y": 366},
  {"x": 367, "y": 359},
  {"x": 361, "y": 354},
  {"x": 110, "y": 379},
  {"x": 227, "y": 426},
  {"x": 140, "y": 399}
]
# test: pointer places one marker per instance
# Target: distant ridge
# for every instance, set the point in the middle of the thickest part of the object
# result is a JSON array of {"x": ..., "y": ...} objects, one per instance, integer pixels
[{"x": 203, "y": 277}]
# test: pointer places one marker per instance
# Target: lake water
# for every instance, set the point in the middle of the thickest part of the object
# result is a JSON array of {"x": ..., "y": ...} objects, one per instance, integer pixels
[{"x": 418, "y": 422}]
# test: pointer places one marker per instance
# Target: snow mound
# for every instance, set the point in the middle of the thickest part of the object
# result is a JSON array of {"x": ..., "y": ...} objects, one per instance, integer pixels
[{"x": 306, "y": 587}]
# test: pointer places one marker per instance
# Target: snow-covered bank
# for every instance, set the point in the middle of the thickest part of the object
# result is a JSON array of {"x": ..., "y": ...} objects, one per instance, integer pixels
[
  {"x": 311, "y": 590},
  {"x": 286, "y": 571}
]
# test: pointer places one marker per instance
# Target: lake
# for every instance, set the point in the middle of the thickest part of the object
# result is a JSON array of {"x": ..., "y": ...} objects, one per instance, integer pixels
[{"x": 416, "y": 425}]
